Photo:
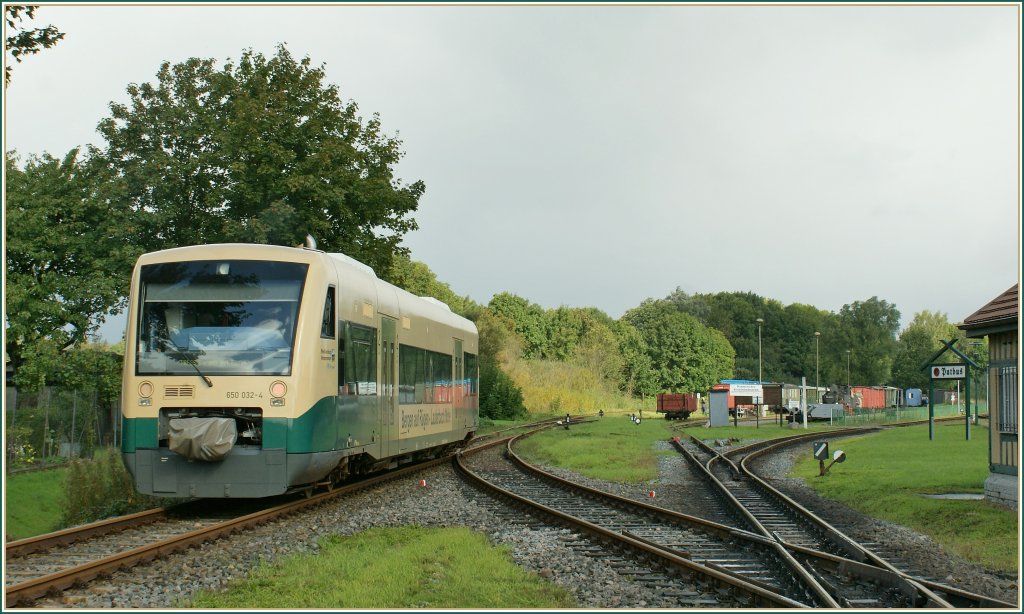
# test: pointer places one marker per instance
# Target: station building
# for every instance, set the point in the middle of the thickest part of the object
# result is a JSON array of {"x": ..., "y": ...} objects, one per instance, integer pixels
[{"x": 998, "y": 320}]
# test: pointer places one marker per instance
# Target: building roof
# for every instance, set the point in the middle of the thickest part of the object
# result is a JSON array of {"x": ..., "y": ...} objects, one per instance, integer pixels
[{"x": 998, "y": 315}]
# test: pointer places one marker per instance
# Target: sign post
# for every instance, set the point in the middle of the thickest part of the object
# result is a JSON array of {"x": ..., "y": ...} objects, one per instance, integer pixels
[
  {"x": 820, "y": 449},
  {"x": 952, "y": 371},
  {"x": 956, "y": 371}
]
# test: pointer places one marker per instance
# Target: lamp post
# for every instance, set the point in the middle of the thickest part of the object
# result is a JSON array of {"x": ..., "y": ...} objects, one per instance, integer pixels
[
  {"x": 817, "y": 390},
  {"x": 760, "y": 321},
  {"x": 847, "y": 368}
]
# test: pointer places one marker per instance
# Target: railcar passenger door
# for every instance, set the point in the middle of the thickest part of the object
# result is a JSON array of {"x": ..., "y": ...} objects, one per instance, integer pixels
[
  {"x": 388, "y": 386},
  {"x": 322, "y": 426},
  {"x": 458, "y": 382}
]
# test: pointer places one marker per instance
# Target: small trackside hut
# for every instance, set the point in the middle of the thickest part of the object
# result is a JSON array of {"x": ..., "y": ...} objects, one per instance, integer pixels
[{"x": 998, "y": 320}]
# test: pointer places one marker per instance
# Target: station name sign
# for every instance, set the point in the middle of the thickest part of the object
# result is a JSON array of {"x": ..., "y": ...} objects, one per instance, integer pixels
[
  {"x": 949, "y": 371},
  {"x": 746, "y": 390}
]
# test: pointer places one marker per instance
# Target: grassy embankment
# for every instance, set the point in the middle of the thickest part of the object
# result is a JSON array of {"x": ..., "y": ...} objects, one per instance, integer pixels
[
  {"x": 556, "y": 387},
  {"x": 408, "y": 567},
  {"x": 885, "y": 474},
  {"x": 35, "y": 502}
]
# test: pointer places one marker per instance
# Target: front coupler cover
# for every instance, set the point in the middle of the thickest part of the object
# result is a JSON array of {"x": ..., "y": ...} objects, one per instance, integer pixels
[{"x": 205, "y": 439}]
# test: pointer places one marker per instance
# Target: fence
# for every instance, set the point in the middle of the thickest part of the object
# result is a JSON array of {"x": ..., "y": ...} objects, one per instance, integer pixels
[
  {"x": 902, "y": 414},
  {"x": 58, "y": 422}
]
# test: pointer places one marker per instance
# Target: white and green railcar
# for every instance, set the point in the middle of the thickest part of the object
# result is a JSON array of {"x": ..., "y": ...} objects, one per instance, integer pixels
[{"x": 256, "y": 370}]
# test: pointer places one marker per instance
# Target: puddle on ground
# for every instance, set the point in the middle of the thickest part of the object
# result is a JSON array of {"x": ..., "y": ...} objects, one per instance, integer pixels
[{"x": 960, "y": 496}]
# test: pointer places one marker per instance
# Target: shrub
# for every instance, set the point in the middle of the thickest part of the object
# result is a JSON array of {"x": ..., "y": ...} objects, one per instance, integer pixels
[
  {"x": 20, "y": 452},
  {"x": 500, "y": 398},
  {"x": 100, "y": 488}
]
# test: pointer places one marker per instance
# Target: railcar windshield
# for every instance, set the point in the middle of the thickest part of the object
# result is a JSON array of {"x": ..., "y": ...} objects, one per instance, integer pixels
[{"x": 218, "y": 317}]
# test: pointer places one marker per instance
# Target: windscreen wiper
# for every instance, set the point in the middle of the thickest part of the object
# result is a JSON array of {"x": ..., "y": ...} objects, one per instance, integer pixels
[
  {"x": 189, "y": 358},
  {"x": 192, "y": 363}
]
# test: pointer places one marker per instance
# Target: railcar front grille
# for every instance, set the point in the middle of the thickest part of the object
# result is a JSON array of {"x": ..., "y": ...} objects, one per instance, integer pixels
[{"x": 179, "y": 392}]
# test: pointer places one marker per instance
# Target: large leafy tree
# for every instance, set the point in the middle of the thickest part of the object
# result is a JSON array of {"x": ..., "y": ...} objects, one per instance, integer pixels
[
  {"x": 67, "y": 262},
  {"x": 686, "y": 355},
  {"x": 921, "y": 339},
  {"x": 868, "y": 330},
  {"x": 21, "y": 41},
  {"x": 735, "y": 315},
  {"x": 638, "y": 374},
  {"x": 262, "y": 150},
  {"x": 796, "y": 342},
  {"x": 527, "y": 319}
]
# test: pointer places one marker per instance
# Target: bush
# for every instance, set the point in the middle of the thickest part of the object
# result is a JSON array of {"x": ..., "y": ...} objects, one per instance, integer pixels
[
  {"x": 500, "y": 398},
  {"x": 20, "y": 452},
  {"x": 101, "y": 488}
]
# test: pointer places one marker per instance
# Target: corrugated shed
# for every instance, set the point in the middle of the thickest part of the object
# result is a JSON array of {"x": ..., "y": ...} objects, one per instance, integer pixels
[{"x": 1003, "y": 308}]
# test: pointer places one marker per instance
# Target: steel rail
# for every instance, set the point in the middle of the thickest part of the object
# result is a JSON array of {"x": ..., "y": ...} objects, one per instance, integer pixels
[
  {"x": 885, "y": 577},
  {"x": 38, "y": 587},
  {"x": 71, "y": 535},
  {"x": 913, "y": 589},
  {"x": 791, "y": 562},
  {"x": 924, "y": 587},
  {"x": 959, "y": 597},
  {"x": 759, "y": 593}
]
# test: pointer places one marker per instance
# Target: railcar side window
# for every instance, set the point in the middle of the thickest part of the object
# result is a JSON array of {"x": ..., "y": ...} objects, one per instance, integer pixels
[
  {"x": 327, "y": 324},
  {"x": 360, "y": 362},
  {"x": 472, "y": 376},
  {"x": 424, "y": 376}
]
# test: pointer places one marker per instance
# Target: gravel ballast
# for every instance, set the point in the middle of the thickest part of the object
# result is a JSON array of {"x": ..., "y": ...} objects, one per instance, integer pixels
[{"x": 446, "y": 501}]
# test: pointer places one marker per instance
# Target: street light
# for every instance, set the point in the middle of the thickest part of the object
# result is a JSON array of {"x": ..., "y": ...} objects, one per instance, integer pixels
[
  {"x": 847, "y": 368},
  {"x": 760, "y": 321},
  {"x": 817, "y": 390}
]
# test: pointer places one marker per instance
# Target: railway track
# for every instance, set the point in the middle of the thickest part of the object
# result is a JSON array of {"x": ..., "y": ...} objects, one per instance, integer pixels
[
  {"x": 719, "y": 588},
  {"x": 824, "y": 550},
  {"x": 702, "y": 563},
  {"x": 50, "y": 563}
]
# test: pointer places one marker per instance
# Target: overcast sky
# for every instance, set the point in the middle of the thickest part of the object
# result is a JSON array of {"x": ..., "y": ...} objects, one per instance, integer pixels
[{"x": 601, "y": 155}]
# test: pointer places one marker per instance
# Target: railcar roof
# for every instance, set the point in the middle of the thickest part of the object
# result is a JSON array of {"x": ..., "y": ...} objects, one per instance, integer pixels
[{"x": 246, "y": 250}]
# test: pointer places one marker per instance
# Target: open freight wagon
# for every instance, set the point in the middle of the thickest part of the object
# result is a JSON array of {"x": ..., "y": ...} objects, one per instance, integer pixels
[{"x": 677, "y": 406}]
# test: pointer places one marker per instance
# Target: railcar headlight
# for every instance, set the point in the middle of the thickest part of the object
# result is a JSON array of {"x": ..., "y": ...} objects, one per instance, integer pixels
[
  {"x": 278, "y": 390},
  {"x": 146, "y": 390}
]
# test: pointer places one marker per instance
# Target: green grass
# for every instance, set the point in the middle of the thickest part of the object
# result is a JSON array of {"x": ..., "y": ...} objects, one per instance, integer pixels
[
  {"x": 35, "y": 501},
  {"x": 886, "y": 473},
  {"x": 408, "y": 567},
  {"x": 612, "y": 448}
]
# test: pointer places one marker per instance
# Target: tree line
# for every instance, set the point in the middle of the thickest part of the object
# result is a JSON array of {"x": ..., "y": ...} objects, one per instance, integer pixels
[{"x": 687, "y": 343}]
